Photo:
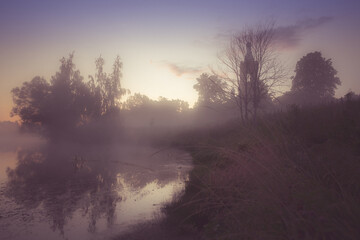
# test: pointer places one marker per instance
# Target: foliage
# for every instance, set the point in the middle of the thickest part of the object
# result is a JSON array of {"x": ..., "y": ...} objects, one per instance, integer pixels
[
  {"x": 58, "y": 105},
  {"x": 158, "y": 115},
  {"x": 140, "y": 101},
  {"x": 136, "y": 101},
  {"x": 210, "y": 90},
  {"x": 30, "y": 100},
  {"x": 315, "y": 77},
  {"x": 215, "y": 104},
  {"x": 66, "y": 103},
  {"x": 107, "y": 86}
]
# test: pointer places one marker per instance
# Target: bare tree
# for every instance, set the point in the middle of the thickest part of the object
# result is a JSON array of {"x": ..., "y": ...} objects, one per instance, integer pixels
[{"x": 252, "y": 68}]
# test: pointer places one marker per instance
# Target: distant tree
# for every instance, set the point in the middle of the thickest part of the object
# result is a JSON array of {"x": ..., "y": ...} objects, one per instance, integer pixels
[
  {"x": 137, "y": 101},
  {"x": 31, "y": 100},
  {"x": 54, "y": 107},
  {"x": 65, "y": 104},
  {"x": 115, "y": 91},
  {"x": 107, "y": 87},
  {"x": 69, "y": 96},
  {"x": 173, "y": 105},
  {"x": 255, "y": 44},
  {"x": 140, "y": 101},
  {"x": 210, "y": 90},
  {"x": 142, "y": 111},
  {"x": 215, "y": 103},
  {"x": 350, "y": 96},
  {"x": 315, "y": 78}
]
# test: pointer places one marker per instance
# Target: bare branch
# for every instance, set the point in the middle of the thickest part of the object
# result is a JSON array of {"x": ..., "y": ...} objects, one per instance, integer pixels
[{"x": 251, "y": 89}]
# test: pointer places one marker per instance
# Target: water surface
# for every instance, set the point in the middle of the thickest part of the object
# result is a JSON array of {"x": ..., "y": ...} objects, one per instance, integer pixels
[{"x": 59, "y": 191}]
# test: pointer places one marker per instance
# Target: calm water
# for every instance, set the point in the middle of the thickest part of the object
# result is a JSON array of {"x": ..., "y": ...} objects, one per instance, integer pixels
[{"x": 75, "y": 192}]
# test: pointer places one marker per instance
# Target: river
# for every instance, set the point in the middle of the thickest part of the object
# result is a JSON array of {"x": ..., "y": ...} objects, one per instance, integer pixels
[{"x": 66, "y": 191}]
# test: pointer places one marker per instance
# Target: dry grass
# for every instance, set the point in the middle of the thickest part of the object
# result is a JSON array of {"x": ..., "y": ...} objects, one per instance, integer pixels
[{"x": 294, "y": 175}]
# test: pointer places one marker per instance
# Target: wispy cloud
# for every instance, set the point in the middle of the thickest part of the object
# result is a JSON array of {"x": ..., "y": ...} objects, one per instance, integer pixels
[
  {"x": 180, "y": 70},
  {"x": 313, "y": 23},
  {"x": 290, "y": 36}
]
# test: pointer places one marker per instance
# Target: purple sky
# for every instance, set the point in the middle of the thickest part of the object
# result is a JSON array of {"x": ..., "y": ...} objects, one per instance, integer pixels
[{"x": 165, "y": 45}]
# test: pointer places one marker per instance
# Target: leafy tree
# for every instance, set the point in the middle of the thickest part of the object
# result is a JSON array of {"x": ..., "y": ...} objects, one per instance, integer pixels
[
  {"x": 215, "y": 102},
  {"x": 30, "y": 100},
  {"x": 210, "y": 90},
  {"x": 140, "y": 101},
  {"x": 69, "y": 95},
  {"x": 315, "y": 78},
  {"x": 54, "y": 107},
  {"x": 107, "y": 87},
  {"x": 173, "y": 105},
  {"x": 137, "y": 101},
  {"x": 115, "y": 91},
  {"x": 141, "y": 111},
  {"x": 67, "y": 105}
]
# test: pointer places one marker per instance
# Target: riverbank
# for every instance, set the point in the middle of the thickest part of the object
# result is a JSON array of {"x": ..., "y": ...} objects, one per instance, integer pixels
[{"x": 291, "y": 175}]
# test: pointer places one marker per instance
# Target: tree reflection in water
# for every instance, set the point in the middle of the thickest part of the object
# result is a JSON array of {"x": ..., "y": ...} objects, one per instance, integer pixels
[
  {"x": 62, "y": 182},
  {"x": 68, "y": 184}
]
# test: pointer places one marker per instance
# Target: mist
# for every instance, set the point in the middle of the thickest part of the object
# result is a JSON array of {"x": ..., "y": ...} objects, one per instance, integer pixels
[{"x": 263, "y": 153}]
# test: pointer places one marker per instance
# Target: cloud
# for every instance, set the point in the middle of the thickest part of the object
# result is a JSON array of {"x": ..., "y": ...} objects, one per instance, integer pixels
[
  {"x": 313, "y": 23},
  {"x": 180, "y": 70},
  {"x": 290, "y": 36}
]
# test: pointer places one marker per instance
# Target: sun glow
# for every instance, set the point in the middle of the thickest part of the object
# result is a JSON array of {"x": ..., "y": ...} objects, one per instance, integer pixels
[{"x": 157, "y": 79}]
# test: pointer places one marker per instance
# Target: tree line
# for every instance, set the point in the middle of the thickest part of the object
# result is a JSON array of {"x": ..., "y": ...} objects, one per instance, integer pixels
[
  {"x": 245, "y": 85},
  {"x": 251, "y": 76},
  {"x": 67, "y": 104}
]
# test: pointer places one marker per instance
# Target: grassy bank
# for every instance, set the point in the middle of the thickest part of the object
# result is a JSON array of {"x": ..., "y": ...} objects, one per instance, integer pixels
[{"x": 290, "y": 175}]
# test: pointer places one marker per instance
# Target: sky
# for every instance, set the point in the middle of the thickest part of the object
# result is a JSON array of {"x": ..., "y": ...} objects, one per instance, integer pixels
[{"x": 166, "y": 45}]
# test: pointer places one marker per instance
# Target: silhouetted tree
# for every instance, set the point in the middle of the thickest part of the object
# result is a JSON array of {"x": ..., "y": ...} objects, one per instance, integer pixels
[
  {"x": 215, "y": 103},
  {"x": 172, "y": 105},
  {"x": 116, "y": 92},
  {"x": 257, "y": 45},
  {"x": 67, "y": 104},
  {"x": 350, "y": 96},
  {"x": 210, "y": 90},
  {"x": 315, "y": 78},
  {"x": 137, "y": 101},
  {"x": 56, "y": 108},
  {"x": 141, "y": 111},
  {"x": 107, "y": 87},
  {"x": 140, "y": 101},
  {"x": 31, "y": 101}
]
